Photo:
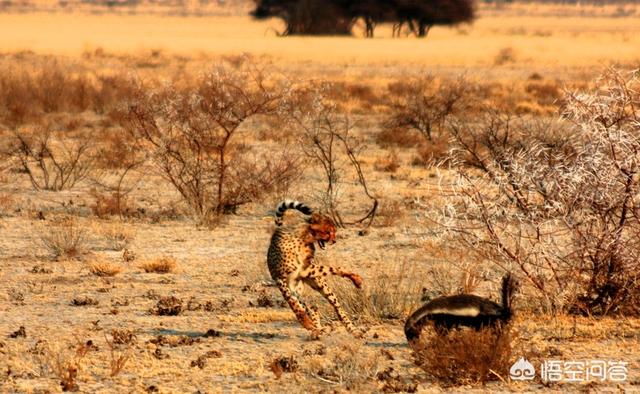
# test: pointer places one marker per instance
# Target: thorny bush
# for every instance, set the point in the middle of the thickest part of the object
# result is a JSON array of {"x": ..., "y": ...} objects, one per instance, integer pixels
[{"x": 562, "y": 210}]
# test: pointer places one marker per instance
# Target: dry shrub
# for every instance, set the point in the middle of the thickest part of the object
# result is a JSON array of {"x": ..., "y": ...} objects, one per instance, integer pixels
[
  {"x": 283, "y": 364},
  {"x": 434, "y": 152},
  {"x": 111, "y": 204},
  {"x": 118, "y": 163},
  {"x": 504, "y": 56},
  {"x": 160, "y": 265},
  {"x": 351, "y": 364},
  {"x": 561, "y": 209},
  {"x": 424, "y": 105},
  {"x": 52, "y": 160},
  {"x": 346, "y": 92},
  {"x": 64, "y": 238},
  {"x": 195, "y": 139},
  {"x": 64, "y": 361},
  {"x": 377, "y": 300},
  {"x": 390, "y": 163},
  {"x": 6, "y": 204},
  {"x": 123, "y": 337},
  {"x": 201, "y": 361},
  {"x": 389, "y": 213},
  {"x": 545, "y": 92},
  {"x": 120, "y": 350},
  {"x": 27, "y": 93},
  {"x": 167, "y": 306},
  {"x": 399, "y": 137},
  {"x": 327, "y": 139},
  {"x": 84, "y": 301},
  {"x": 116, "y": 235},
  {"x": 466, "y": 356},
  {"x": 104, "y": 268}
]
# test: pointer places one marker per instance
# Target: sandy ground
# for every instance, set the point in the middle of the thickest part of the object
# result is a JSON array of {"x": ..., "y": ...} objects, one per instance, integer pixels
[{"x": 221, "y": 276}]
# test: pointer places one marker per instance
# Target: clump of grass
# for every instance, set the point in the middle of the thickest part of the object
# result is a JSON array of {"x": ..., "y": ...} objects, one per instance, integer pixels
[
  {"x": 161, "y": 265},
  {"x": 377, "y": 300},
  {"x": 399, "y": 137},
  {"x": 389, "y": 213},
  {"x": 390, "y": 163},
  {"x": 116, "y": 235},
  {"x": 84, "y": 301},
  {"x": 167, "y": 306},
  {"x": 111, "y": 204},
  {"x": 64, "y": 239},
  {"x": 433, "y": 152},
  {"x": 351, "y": 364},
  {"x": 466, "y": 356},
  {"x": 123, "y": 337},
  {"x": 104, "y": 268},
  {"x": 504, "y": 56}
]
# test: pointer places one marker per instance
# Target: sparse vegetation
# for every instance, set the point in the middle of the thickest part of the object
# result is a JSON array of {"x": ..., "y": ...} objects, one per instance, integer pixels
[
  {"x": 569, "y": 199},
  {"x": 64, "y": 238},
  {"x": 193, "y": 132},
  {"x": 467, "y": 356},
  {"x": 168, "y": 306},
  {"x": 160, "y": 265},
  {"x": 507, "y": 155},
  {"x": 105, "y": 268},
  {"x": 117, "y": 235},
  {"x": 52, "y": 161},
  {"x": 379, "y": 301}
]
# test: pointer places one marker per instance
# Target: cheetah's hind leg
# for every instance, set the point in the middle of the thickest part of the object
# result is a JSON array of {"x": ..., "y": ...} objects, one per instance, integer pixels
[
  {"x": 320, "y": 285},
  {"x": 298, "y": 308}
]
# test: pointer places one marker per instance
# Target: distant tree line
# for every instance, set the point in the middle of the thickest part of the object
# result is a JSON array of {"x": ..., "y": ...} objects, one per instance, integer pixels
[{"x": 337, "y": 17}]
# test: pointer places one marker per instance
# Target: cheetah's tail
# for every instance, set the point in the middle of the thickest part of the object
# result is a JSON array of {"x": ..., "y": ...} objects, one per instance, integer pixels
[{"x": 290, "y": 204}]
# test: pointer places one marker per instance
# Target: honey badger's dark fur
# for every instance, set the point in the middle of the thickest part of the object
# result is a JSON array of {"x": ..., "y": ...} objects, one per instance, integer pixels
[
  {"x": 291, "y": 263},
  {"x": 462, "y": 310}
]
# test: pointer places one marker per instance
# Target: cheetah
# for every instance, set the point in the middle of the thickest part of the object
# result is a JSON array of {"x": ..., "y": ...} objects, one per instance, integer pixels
[{"x": 291, "y": 263}]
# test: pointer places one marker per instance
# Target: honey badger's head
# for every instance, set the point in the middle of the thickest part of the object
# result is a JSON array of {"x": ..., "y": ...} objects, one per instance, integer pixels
[{"x": 322, "y": 229}]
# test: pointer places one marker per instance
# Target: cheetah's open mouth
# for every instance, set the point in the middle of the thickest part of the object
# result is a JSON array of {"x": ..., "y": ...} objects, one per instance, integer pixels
[{"x": 321, "y": 244}]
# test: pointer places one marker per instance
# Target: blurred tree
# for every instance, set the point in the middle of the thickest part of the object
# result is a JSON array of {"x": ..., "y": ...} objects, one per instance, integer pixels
[{"x": 337, "y": 17}]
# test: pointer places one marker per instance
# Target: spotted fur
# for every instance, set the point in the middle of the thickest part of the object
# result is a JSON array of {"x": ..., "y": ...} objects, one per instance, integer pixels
[{"x": 291, "y": 263}]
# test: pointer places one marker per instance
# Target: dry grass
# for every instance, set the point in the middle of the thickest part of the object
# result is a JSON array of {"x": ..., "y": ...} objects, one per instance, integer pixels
[
  {"x": 104, "y": 269},
  {"x": 349, "y": 364},
  {"x": 466, "y": 356},
  {"x": 111, "y": 204},
  {"x": 117, "y": 236},
  {"x": 156, "y": 325},
  {"x": 160, "y": 265},
  {"x": 64, "y": 238},
  {"x": 379, "y": 301}
]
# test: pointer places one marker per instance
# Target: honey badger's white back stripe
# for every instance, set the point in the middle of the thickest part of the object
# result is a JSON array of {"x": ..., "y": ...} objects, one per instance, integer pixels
[
  {"x": 470, "y": 311},
  {"x": 290, "y": 204}
]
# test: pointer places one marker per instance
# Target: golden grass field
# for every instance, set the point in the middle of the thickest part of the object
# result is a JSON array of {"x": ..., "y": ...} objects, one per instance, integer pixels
[{"x": 220, "y": 273}]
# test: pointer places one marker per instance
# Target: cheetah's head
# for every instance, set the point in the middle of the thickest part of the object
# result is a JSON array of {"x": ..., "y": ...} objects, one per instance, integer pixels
[{"x": 322, "y": 229}]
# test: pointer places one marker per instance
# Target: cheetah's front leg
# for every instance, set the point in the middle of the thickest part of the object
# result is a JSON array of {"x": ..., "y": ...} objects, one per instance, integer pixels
[{"x": 323, "y": 270}]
